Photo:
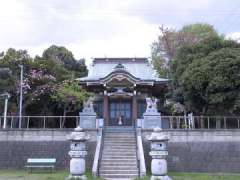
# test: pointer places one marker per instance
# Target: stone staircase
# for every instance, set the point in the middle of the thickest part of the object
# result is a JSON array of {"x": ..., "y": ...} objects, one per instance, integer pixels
[{"x": 119, "y": 159}]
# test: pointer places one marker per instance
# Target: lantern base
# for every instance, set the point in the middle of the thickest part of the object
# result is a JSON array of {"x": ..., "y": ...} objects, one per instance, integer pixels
[
  {"x": 78, "y": 177},
  {"x": 160, "y": 178}
]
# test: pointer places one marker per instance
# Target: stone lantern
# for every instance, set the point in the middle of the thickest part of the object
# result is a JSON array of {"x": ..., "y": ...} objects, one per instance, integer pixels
[
  {"x": 77, "y": 153},
  {"x": 159, "y": 153}
]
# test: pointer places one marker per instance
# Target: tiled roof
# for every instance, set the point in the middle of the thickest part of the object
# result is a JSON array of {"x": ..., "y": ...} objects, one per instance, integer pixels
[{"x": 139, "y": 68}]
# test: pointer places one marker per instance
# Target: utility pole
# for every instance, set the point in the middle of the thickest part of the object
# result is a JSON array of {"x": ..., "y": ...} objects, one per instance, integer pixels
[
  {"x": 7, "y": 96},
  {"x": 21, "y": 97},
  {"x": 5, "y": 111}
]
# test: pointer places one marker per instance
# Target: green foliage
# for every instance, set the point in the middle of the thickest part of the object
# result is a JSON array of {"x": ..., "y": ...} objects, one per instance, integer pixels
[
  {"x": 203, "y": 66},
  {"x": 170, "y": 40},
  {"x": 70, "y": 93},
  {"x": 61, "y": 55},
  {"x": 42, "y": 75},
  {"x": 199, "y": 31},
  {"x": 207, "y": 76}
]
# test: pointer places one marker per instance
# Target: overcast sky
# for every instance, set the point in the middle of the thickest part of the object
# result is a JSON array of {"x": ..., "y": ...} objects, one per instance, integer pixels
[{"x": 112, "y": 28}]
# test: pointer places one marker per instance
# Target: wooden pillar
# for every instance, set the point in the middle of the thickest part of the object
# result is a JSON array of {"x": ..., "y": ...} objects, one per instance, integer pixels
[
  {"x": 134, "y": 108},
  {"x": 105, "y": 109}
]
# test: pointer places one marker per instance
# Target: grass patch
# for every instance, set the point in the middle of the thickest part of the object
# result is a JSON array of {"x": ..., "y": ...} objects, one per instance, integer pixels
[
  {"x": 60, "y": 175},
  {"x": 204, "y": 176},
  {"x": 38, "y": 175},
  {"x": 199, "y": 176}
]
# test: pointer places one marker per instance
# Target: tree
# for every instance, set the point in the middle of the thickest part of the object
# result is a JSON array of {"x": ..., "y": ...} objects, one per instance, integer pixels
[
  {"x": 207, "y": 76},
  {"x": 42, "y": 75},
  {"x": 169, "y": 41},
  {"x": 61, "y": 55},
  {"x": 69, "y": 96},
  {"x": 10, "y": 74}
]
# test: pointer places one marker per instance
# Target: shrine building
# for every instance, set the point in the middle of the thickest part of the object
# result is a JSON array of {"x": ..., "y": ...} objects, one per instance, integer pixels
[{"x": 120, "y": 87}]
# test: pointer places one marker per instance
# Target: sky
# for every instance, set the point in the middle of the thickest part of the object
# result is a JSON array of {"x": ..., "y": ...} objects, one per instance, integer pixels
[{"x": 107, "y": 28}]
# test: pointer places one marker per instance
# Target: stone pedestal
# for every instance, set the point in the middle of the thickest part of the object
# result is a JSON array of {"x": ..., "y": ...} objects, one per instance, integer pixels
[
  {"x": 151, "y": 118},
  {"x": 77, "y": 153},
  {"x": 87, "y": 120},
  {"x": 88, "y": 116},
  {"x": 159, "y": 153}
]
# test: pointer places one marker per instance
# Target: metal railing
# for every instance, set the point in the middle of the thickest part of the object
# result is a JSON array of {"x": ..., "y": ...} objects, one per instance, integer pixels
[
  {"x": 201, "y": 122},
  {"x": 40, "y": 122},
  {"x": 168, "y": 122}
]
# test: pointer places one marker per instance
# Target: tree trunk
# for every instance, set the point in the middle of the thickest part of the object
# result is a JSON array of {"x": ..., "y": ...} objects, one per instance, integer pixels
[{"x": 64, "y": 116}]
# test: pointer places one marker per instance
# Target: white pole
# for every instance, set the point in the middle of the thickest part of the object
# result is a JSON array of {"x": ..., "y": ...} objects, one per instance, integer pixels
[
  {"x": 21, "y": 97},
  {"x": 5, "y": 112}
]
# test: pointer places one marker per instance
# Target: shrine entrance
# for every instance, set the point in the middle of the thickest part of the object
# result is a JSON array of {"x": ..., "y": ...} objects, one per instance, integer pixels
[{"x": 120, "y": 112}]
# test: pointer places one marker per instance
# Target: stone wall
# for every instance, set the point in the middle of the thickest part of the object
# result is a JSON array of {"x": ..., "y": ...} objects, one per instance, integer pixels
[
  {"x": 17, "y": 146},
  {"x": 190, "y": 151},
  {"x": 201, "y": 151}
]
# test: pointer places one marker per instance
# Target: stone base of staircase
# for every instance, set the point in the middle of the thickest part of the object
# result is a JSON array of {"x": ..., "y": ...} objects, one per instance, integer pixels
[{"x": 119, "y": 157}]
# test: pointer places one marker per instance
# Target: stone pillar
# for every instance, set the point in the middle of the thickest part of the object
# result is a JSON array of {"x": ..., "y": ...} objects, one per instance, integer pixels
[
  {"x": 159, "y": 153},
  {"x": 134, "y": 108},
  {"x": 105, "y": 108},
  {"x": 77, "y": 153}
]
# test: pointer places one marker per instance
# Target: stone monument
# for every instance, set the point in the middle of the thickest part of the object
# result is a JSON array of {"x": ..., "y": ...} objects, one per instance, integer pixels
[
  {"x": 88, "y": 116},
  {"x": 159, "y": 153},
  {"x": 151, "y": 118},
  {"x": 77, "y": 153}
]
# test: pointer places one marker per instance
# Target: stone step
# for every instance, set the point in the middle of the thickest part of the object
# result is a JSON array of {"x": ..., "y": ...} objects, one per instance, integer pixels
[
  {"x": 104, "y": 159},
  {"x": 118, "y": 144},
  {"x": 118, "y": 157},
  {"x": 120, "y": 153},
  {"x": 119, "y": 134},
  {"x": 119, "y": 167},
  {"x": 119, "y": 130},
  {"x": 119, "y": 148},
  {"x": 119, "y": 175},
  {"x": 118, "y": 161},
  {"x": 114, "y": 148},
  {"x": 117, "y": 171},
  {"x": 114, "y": 163},
  {"x": 117, "y": 153},
  {"x": 120, "y": 139},
  {"x": 114, "y": 131}
]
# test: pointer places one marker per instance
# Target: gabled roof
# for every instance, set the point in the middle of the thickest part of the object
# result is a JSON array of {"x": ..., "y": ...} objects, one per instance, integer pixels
[{"x": 139, "y": 68}]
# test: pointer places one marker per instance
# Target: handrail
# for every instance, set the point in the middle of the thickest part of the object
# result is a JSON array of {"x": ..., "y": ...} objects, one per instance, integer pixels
[
  {"x": 97, "y": 156},
  {"x": 140, "y": 154}
]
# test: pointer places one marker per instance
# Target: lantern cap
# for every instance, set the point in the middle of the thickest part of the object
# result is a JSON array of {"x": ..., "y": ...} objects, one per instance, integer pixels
[
  {"x": 157, "y": 135},
  {"x": 78, "y": 135}
]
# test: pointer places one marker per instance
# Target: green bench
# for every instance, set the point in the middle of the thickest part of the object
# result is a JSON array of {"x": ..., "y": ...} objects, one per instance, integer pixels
[{"x": 35, "y": 163}]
